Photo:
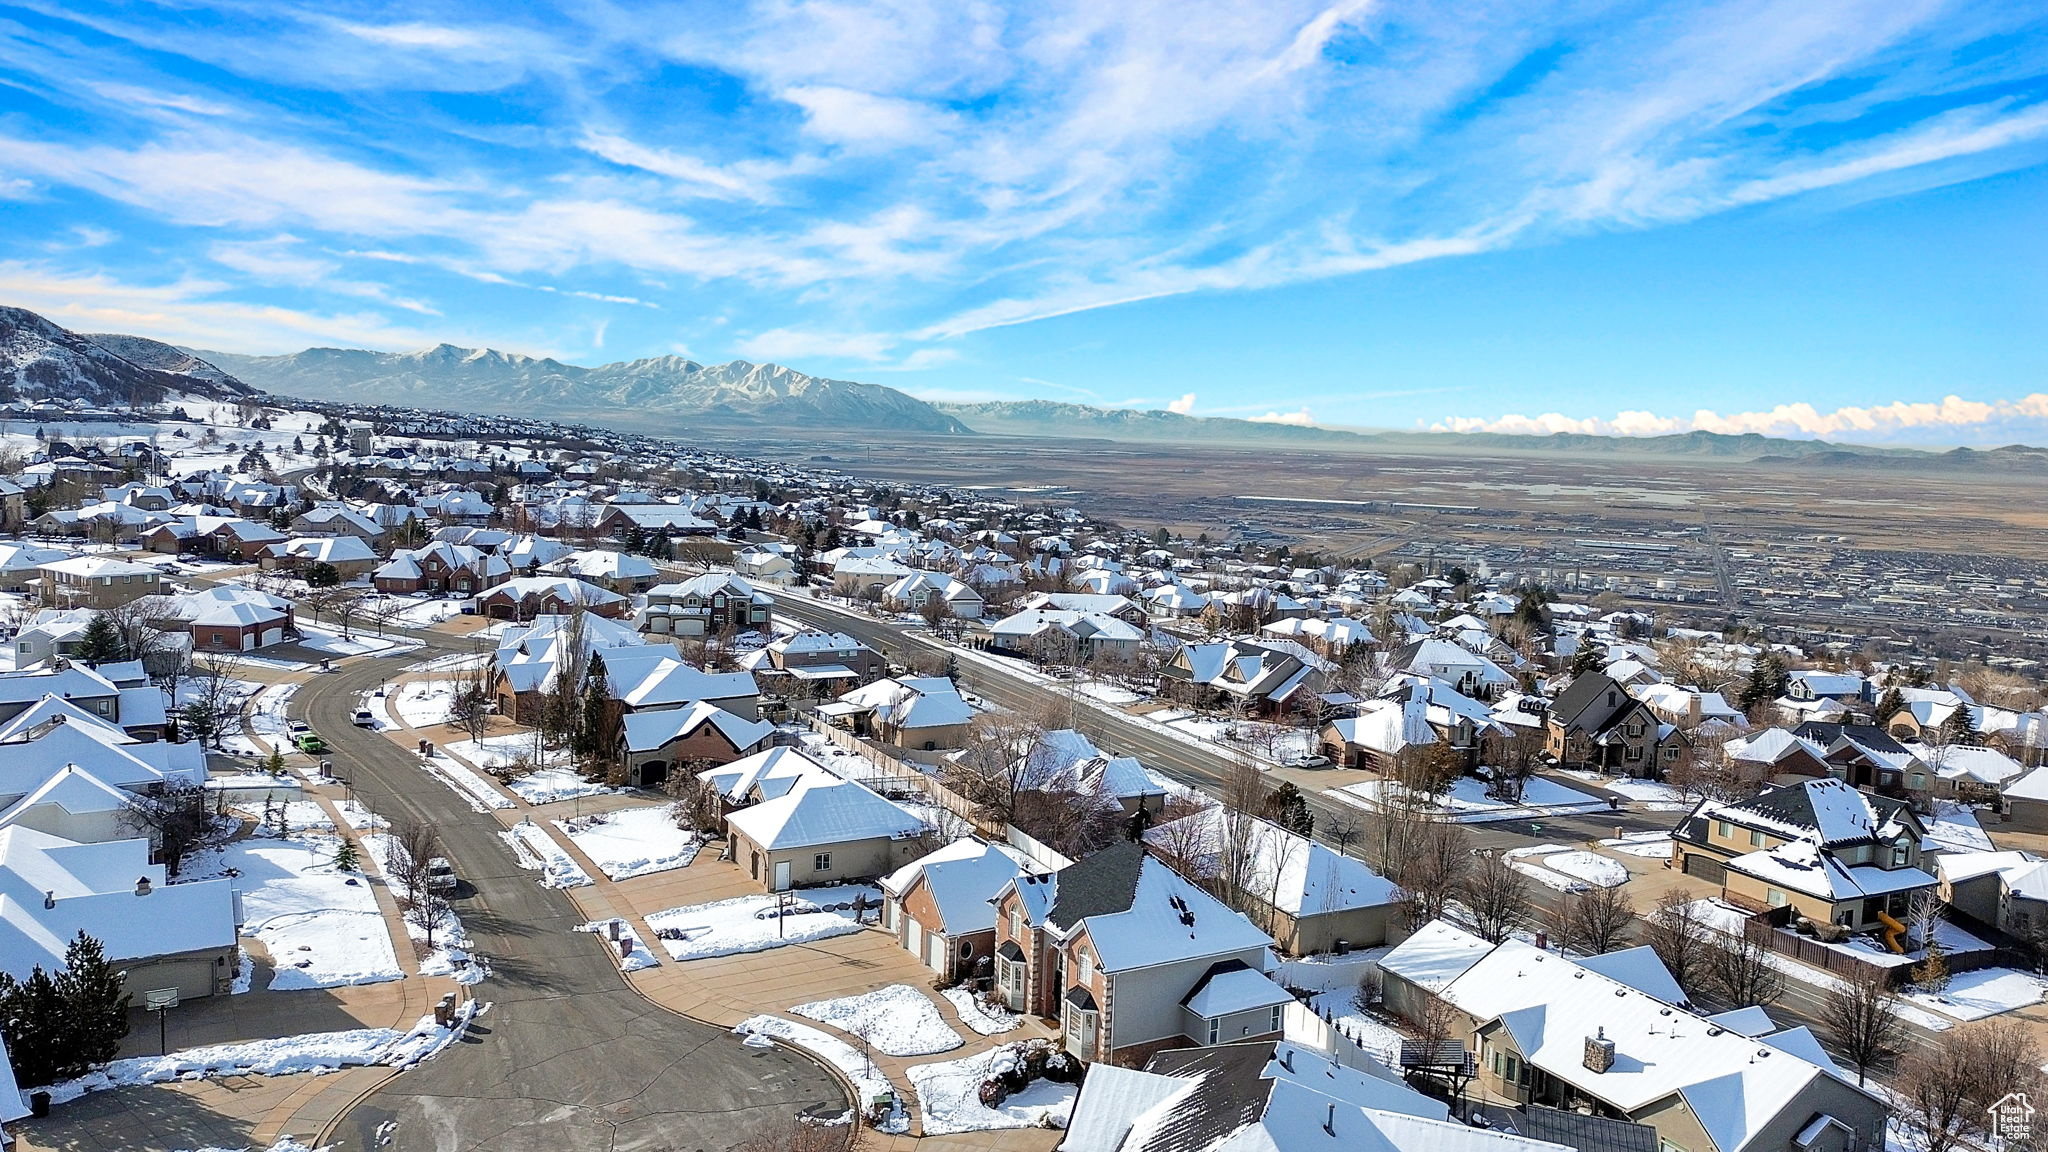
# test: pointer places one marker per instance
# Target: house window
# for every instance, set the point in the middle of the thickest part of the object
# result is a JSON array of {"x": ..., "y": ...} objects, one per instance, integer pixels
[
  {"x": 1215, "y": 1030},
  {"x": 1087, "y": 967},
  {"x": 1273, "y": 1019},
  {"x": 1919, "y": 781},
  {"x": 1775, "y": 896},
  {"x": 1016, "y": 927},
  {"x": 822, "y": 862},
  {"x": 1724, "y": 828},
  {"x": 1898, "y": 855},
  {"x": 1756, "y": 838}
]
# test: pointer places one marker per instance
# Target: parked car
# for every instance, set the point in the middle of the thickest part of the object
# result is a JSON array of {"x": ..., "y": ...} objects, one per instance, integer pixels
[
  {"x": 1305, "y": 760},
  {"x": 364, "y": 718},
  {"x": 312, "y": 745},
  {"x": 441, "y": 875},
  {"x": 296, "y": 728}
]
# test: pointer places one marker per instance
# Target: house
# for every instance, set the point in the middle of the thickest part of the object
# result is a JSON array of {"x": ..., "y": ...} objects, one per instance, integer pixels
[
  {"x": 21, "y": 565},
  {"x": 822, "y": 831},
  {"x": 525, "y": 598},
  {"x": 1132, "y": 958},
  {"x": 865, "y": 576},
  {"x": 160, "y": 935},
  {"x": 78, "y": 804},
  {"x": 765, "y": 775},
  {"x": 621, "y": 572},
  {"x": 120, "y": 694},
  {"x": 1088, "y": 603},
  {"x": 767, "y": 563},
  {"x": 1777, "y": 756},
  {"x": 221, "y": 537},
  {"x": 709, "y": 604},
  {"x": 2026, "y": 802},
  {"x": 1595, "y": 724},
  {"x": 351, "y": 557},
  {"x": 1832, "y": 853},
  {"x": 96, "y": 581},
  {"x": 2004, "y": 890},
  {"x": 335, "y": 520},
  {"x": 1608, "y": 1035},
  {"x": 1062, "y": 634},
  {"x": 817, "y": 657},
  {"x": 1308, "y": 898},
  {"x": 673, "y": 519},
  {"x": 51, "y": 633},
  {"x": 1265, "y": 676},
  {"x": 921, "y": 712},
  {"x": 456, "y": 569},
  {"x": 1278, "y": 1096},
  {"x": 1867, "y": 756},
  {"x": 225, "y": 618},
  {"x": 1470, "y": 673},
  {"x": 913, "y": 592},
  {"x": 941, "y": 907},
  {"x": 654, "y": 744}
]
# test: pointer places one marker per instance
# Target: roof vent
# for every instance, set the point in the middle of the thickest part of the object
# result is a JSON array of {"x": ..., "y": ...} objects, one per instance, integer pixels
[
  {"x": 1330, "y": 1120},
  {"x": 142, "y": 886},
  {"x": 1599, "y": 1052},
  {"x": 50, "y": 899}
]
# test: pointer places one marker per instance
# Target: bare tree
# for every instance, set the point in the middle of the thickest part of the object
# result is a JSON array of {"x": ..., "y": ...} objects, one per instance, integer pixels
[
  {"x": 473, "y": 701},
  {"x": 1001, "y": 759},
  {"x": 1862, "y": 1013},
  {"x": 1496, "y": 894},
  {"x": 1681, "y": 938},
  {"x": 215, "y": 699},
  {"x": 1343, "y": 829},
  {"x": 1594, "y": 920},
  {"x": 1740, "y": 972},
  {"x": 414, "y": 846},
  {"x": 1950, "y": 1085},
  {"x": 175, "y": 819}
]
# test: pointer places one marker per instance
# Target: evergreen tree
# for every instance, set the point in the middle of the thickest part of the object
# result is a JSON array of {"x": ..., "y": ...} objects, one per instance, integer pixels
[
  {"x": 632, "y": 539},
  {"x": 322, "y": 575},
  {"x": 1588, "y": 658},
  {"x": 346, "y": 859},
  {"x": 95, "y": 1008},
  {"x": 1889, "y": 705},
  {"x": 1931, "y": 974},
  {"x": 1956, "y": 727},
  {"x": 274, "y": 763},
  {"x": 1768, "y": 680},
  {"x": 1288, "y": 808},
  {"x": 101, "y": 642},
  {"x": 32, "y": 1016},
  {"x": 589, "y": 742}
]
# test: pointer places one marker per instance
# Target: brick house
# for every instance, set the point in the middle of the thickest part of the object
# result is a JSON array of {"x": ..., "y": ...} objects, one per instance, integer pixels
[
  {"x": 941, "y": 908},
  {"x": 440, "y": 568}
]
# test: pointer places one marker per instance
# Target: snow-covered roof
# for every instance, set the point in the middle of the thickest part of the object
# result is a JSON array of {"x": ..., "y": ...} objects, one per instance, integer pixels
[
  {"x": 964, "y": 879},
  {"x": 819, "y": 812},
  {"x": 1233, "y": 986},
  {"x": 1438, "y": 953},
  {"x": 1293, "y": 873},
  {"x": 646, "y": 731}
]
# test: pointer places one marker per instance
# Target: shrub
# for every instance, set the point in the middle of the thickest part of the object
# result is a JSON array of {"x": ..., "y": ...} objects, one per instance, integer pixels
[
  {"x": 993, "y": 1093},
  {"x": 1063, "y": 1068}
]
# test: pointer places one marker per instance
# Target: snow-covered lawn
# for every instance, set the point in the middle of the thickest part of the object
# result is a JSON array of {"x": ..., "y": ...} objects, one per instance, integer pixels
[
  {"x": 424, "y": 703},
  {"x": 1330, "y": 972},
  {"x": 314, "y": 1052},
  {"x": 1728, "y": 919},
  {"x": 1468, "y": 803},
  {"x": 632, "y": 841},
  {"x": 1985, "y": 992},
  {"x": 868, "y": 1080},
  {"x": 264, "y": 717},
  {"x": 1115, "y": 695},
  {"x": 1372, "y": 1032},
  {"x": 360, "y": 642},
  {"x": 1578, "y": 867},
  {"x": 320, "y": 925},
  {"x": 984, "y": 1019},
  {"x": 537, "y": 851},
  {"x": 550, "y": 785},
  {"x": 640, "y": 957},
  {"x": 462, "y": 662},
  {"x": 750, "y": 923},
  {"x": 1651, "y": 795},
  {"x": 1652, "y": 845},
  {"x": 510, "y": 748},
  {"x": 949, "y": 1101},
  {"x": 897, "y": 1020},
  {"x": 419, "y": 612},
  {"x": 471, "y": 787},
  {"x": 1954, "y": 828}
]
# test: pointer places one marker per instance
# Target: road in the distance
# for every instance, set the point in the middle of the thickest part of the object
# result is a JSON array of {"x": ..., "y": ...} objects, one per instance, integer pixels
[{"x": 568, "y": 1058}]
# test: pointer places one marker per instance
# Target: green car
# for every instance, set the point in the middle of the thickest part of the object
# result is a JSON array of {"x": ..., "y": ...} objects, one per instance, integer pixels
[{"x": 311, "y": 744}]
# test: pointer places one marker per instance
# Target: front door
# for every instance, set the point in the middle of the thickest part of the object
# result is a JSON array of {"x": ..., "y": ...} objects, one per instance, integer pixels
[
  {"x": 781, "y": 875},
  {"x": 1013, "y": 984},
  {"x": 935, "y": 953}
]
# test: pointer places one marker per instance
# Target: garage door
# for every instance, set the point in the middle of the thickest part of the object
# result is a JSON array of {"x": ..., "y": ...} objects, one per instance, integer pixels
[
  {"x": 272, "y": 636},
  {"x": 1706, "y": 868}
]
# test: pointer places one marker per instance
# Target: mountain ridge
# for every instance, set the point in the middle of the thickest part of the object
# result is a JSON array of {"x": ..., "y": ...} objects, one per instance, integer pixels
[
  {"x": 40, "y": 358},
  {"x": 490, "y": 380}
]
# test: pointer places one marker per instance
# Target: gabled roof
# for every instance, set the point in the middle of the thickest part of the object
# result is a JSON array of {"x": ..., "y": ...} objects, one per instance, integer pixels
[
  {"x": 964, "y": 879},
  {"x": 822, "y": 812},
  {"x": 1139, "y": 912}
]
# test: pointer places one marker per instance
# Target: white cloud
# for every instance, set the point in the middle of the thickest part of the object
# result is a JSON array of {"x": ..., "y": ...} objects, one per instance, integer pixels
[
  {"x": 1299, "y": 419},
  {"x": 1951, "y": 419},
  {"x": 786, "y": 344},
  {"x": 1182, "y": 406}
]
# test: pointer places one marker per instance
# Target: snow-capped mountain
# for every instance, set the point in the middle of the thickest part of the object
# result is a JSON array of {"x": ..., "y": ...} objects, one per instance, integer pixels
[
  {"x": 484, "y": 379},
  {"x": 39, "y": 358}
]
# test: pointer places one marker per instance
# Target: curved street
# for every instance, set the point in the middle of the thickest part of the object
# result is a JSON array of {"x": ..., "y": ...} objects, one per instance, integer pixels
[{"x": 567, "y": 1057}]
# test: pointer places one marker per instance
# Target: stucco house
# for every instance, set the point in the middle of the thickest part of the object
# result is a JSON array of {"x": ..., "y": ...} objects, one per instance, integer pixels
[{"x": 822, "y": 831}]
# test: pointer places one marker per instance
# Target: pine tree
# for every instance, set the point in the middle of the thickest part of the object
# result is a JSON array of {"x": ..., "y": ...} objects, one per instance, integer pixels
[
  {"x": 1768, "y": 680},
  {"x": 1889, "y": 705},
  {"x": 346, "y": 859},
  {"x": 101, "y": 642},
  {"x": 1956, "y": 727},
  {"x": 1931, "y": 974},
  {"x": 1288, "y": 808},
  {"x": 1588, "y": 658},
  {"x": 274, "y": 763},
  {"x": 590, "y": 744},
  {"x": 95, "y": 1008},
  {"x": 32, "y": 1016}
]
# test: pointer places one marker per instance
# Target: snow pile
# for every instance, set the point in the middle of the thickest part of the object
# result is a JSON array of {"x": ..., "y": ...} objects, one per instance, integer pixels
[
  {"x": 758, "y": 923},
  {"x": 314, "y": 1052},
  {"x": 984, "y": 1019},
  {"x": 552, "y": 784},
  {"x": 640, "y": 957},
  {"x": 632, "y": 841},
  {"x": 1984, "y": 992},
  {"x": 459, "y": 663},
  {"x": 897, "y": 1020},
  {"x": 509, "y": 749},
  {"x": 949, "y": 1096},
  {"x": 320, "y": 925},
  {"x": 1654, "y": 845},
  {"x": 538, "y": 852},
  {"x": 868, "y": 1080}
]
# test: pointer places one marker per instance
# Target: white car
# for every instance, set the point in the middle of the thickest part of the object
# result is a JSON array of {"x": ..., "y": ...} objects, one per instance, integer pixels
[{"x": 364, "y": 718}]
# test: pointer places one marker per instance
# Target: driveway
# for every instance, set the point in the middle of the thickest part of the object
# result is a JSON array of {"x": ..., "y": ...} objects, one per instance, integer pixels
[{"x": 567, "y": 1057}]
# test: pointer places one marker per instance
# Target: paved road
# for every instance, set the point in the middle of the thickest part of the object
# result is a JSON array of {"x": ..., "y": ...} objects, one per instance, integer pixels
[{"x": 567, "y": 1058}]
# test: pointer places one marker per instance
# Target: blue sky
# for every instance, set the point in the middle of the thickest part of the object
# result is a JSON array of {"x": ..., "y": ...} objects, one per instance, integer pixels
[{"x": 1807, "y": 217}]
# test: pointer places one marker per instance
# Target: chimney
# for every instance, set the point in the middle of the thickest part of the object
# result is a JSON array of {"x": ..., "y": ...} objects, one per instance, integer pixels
[
  {"x": 1287, "y": 1059},
  {"x": 50, "y": 899},
  {"x": 1599, "y": 1052},
  {"x": 142, "y": 886}
]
